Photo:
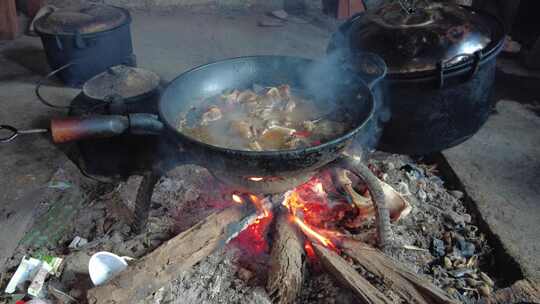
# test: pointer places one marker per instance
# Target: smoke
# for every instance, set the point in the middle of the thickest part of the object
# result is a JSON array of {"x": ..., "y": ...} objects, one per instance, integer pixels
[{"x": 339, "y": 74}]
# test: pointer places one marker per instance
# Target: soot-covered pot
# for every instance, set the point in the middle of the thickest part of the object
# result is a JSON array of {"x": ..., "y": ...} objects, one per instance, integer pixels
[
  {"x": 441, "y": 70},
  {"x": 83, "y": 41},
  {"x": 120, "y": 90}
]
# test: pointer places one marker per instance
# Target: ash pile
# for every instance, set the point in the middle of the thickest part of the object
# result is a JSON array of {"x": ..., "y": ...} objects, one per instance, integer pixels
[{"x": 193, "y": 250}]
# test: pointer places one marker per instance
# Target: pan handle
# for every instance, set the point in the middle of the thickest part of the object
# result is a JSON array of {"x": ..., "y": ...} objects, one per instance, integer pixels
[{"x": 70, "y": 129}]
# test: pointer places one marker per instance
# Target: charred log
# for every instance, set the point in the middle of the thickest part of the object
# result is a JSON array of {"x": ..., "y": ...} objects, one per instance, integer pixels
[
  {"x": 287, "y": 259},
  {"x": 382, "y": 215}
]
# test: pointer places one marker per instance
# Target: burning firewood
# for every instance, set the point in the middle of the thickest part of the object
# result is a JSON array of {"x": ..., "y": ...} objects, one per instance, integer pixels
[
  {"x": 408, "y": 285},
  {"x": 287, "y": 262},
  {"x": 346, "y": 275},
  {"x": 178, "y": 254},
  {"x": 361, "y": 202},
  {"x": 382, "y": 216},
  {"x": 398, "y": 207}
]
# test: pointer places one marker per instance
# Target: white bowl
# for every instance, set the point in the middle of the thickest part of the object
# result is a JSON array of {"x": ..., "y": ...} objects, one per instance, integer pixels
[{"x": 104, "y": 265}]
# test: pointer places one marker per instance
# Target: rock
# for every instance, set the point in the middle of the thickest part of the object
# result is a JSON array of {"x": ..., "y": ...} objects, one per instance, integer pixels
[
  {"x": 403, "y": 188},
  {"x": 437, "y": 247},
  {"x": 473, "y": 282},
  {"x": 451, "y": 291},
  {"x": 454, "y": 217},
  {"x": 447, "y": 263},
  {"x": 422, "y": 195},
  {"x": 412, "y": 171},
  {"x": 457, "y": 194},
  {"x": 460, "y": 284},
  {"x": 486, "y": 279},
  {"x": 467, "y": 249},
  {"x": 280, "y": 14},
  {"x": 460, "y": 262},
  {"x": 458, "y": 273},
  {"x": 270, "y": 22},
  {"x": 484, "y": 290},
  {"x": 117, "y": 238},
  {"x": 388, "y": 166},
  {"x": 75, "y": 272}
]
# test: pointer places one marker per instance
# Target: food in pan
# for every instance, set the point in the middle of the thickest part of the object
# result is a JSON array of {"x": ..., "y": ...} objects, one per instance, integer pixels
[{"x": 261, "y": 119}]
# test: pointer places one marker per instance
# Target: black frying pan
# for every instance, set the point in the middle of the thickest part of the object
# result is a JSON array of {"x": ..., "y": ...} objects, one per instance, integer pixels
[
  {"x": 323, "y": 80},
  {"x": 327, "y": 80}
]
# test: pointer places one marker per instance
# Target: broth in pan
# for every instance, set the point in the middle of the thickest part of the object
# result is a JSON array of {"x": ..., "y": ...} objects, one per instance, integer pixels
[{"x": 263, "y": 119}]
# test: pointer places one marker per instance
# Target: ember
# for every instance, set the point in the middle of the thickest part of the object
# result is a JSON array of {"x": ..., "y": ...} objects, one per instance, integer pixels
[
  {"x": 253, "y": 239},
  {"x": 237, "y": 199}
]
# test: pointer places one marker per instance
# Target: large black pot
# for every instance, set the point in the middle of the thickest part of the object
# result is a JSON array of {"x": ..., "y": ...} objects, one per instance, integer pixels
[
  {"x": 440, "y": 72},
  {"x": 84, "y": 41}
]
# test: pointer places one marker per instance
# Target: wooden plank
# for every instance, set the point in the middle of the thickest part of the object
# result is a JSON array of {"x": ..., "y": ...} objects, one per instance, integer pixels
[
  {"x": 346, "y": 275},
  {"x": 408, "y": 285},
  {"x": 9, "y": 22}
]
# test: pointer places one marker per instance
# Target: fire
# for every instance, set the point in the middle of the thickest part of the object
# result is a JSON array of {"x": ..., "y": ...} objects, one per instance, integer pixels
[
  {"x": 253, "y": 239},
  {"x": 312, "y": 234},
  {"x": 259, "y": 205},
  {"x": 255, "y": 178},
  {"x": 318, "y": 188},
  {"x": 237, "y": 199},
  {"x": 309, "y": 250}
]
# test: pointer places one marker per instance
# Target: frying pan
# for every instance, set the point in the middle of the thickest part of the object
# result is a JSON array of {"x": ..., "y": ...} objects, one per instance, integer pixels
[{"x": 350, "y": 90}]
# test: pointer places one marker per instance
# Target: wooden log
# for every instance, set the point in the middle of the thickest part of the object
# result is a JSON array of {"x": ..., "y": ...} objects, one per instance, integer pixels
[
  {"x": 178, "y": 254},
  {"x": 286, "y": 262},
  {"x": 382, "y": 214},
  {"x": 523, "y": 291},
  {"x": 9, "y": 22},
  {"x": 408, "y": 285},
  {"x": 346, "y": 275}
]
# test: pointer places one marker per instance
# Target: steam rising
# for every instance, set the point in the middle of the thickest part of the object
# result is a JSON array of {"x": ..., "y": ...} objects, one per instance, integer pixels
[{"x": 331, "y": 76}]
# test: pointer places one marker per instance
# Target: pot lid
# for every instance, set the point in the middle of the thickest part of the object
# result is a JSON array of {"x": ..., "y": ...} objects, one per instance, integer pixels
[
  {"x": 85, "y": 19},
  {"x": 416, "y": 39},
  {"x": 121, "y": 81}
]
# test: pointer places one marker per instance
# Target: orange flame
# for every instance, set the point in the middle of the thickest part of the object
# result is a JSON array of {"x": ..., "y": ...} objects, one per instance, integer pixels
[
  {"x": 259, "y": 205},
  {"x": 237, "y": 199},
  {"x": 292, "y": 202},
  {"x": 312, "y": 234}
]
